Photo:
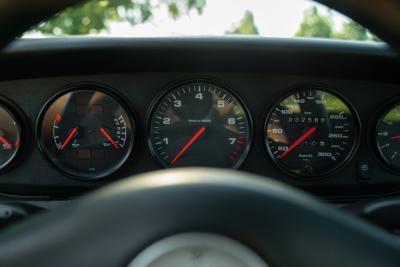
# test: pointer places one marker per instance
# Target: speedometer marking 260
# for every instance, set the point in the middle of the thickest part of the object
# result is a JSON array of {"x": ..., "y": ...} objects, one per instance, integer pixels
[{"x": 311, "y": 133}]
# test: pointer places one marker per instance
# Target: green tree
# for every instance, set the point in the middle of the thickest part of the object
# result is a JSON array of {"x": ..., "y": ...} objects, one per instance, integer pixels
[
  {"x": 246, "y": 25},
  {"x": 315, "y": 24},
  {"x": 352, "y": 31},
  {"x": 92, "y": 16}
]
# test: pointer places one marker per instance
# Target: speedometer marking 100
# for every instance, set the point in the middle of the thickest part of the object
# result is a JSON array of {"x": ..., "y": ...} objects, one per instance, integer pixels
[
  {"x": 199, "y": 124},
  {"x": 311, "y": 133}
]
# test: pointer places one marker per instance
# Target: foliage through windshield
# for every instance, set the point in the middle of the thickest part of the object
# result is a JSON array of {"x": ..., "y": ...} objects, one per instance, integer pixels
[{"x": 137, "y": 18}]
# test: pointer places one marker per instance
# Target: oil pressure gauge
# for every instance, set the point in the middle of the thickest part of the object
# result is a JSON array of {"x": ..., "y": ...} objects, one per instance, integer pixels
[{"x": 87, "y": 133}]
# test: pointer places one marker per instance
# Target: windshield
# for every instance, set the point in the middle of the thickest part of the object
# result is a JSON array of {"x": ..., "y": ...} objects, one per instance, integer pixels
[{"x": 165, "y": 18}]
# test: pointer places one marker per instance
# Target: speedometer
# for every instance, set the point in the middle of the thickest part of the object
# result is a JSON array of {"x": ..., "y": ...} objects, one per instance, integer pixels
[{"x": 311, "y": 132}]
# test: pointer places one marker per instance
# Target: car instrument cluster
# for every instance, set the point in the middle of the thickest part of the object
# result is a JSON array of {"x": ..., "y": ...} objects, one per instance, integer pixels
[{"x": 88, "y": 131}]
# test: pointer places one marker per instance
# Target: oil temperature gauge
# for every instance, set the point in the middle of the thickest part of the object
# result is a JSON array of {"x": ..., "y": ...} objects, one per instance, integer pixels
[{"x": 86, "y": 133}]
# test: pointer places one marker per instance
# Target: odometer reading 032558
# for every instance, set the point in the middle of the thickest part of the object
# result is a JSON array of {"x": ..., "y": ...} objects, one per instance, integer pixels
[
  {"x": 199, "y": 124},
  {"x": 311, "y": 133}
]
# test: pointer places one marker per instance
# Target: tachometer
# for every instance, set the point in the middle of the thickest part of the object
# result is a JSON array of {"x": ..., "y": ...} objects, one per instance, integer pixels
[
  {"x": 199, "y": 124},
  {"x": 86, "y": 133},
  {"x": 311, "y": 132}
]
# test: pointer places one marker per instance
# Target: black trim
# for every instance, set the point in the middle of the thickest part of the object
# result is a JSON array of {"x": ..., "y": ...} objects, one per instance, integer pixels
[{"x": 31, "y": 58}]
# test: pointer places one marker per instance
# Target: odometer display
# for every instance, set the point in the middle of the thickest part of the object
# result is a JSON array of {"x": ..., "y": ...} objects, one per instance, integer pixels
[
  {"x": 199, "y": 124},
  {"x": 86, "y": 133},
  {"x": 311, "y": 133}
]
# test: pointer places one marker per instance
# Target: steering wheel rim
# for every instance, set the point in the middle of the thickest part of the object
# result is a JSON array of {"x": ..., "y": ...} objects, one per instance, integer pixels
[{"x": 282, "y": 225}]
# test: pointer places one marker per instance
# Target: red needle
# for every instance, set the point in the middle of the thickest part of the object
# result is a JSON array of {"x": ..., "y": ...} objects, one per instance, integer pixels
[
  {"x": 71, "y": 134},
  {"x": 4, "y": 141},
  {"x": 395, "y": 137},
  {"x": 104, "y": 132},
  {"x": 298, "y": 142},
  {"x": 188, "y": 144}
]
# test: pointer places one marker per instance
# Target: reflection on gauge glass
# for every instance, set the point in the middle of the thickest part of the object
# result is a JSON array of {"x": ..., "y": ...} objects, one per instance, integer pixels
[
  {"x": 10, "y": 137},
  {"x": 86, "y": 133},
  {"x": 199, "y": 124},
  {"x": 388, "y": 137},
  {"x": 311, "y": 133}
]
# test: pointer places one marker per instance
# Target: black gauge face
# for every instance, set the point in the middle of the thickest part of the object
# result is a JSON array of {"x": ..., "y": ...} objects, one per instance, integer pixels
[
  {"x": 86, "y": 133},
  {"x": 10, "y": 134},
  {"x": 388, "y": 137},
  {"x": 311, "y": 133},
  {"x": 199, "y": 124}
]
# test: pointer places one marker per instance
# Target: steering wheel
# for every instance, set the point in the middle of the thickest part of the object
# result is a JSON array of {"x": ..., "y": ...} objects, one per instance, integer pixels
[{"x": 198, "y": 217}]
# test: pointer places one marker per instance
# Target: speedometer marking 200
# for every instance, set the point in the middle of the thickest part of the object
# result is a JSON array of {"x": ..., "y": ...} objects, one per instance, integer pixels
[{"x": 311, "y": 133}]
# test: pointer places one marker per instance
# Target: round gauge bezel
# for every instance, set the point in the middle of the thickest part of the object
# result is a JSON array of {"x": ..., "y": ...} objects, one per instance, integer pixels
[
  {"x": 389, "y": 106},
  {"x": 87, "y": 86},
  {"x": 320, "y": 87},
  {"x": 23, "y": 128},
  {"x": 207, "y": 80}
]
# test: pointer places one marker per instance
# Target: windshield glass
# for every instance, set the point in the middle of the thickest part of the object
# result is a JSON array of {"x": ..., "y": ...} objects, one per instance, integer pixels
[{"x": 166, "y": 18}]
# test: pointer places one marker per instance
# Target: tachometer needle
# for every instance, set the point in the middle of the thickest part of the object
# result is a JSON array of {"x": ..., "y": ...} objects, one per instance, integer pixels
[
  {"x": 298, "y": 142},
  {"x": 71, "y": 134},
  {"x": 395, "y": 137},
  {"x": 104, "y": 132},
  {"x": 188, "y": 144},
  {"x": 5, "y": 142}
]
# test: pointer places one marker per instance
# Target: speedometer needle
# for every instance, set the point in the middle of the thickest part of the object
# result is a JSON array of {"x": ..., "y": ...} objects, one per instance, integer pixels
[
  {"x": 188, "y": 144},
  {"x": 298, "y": 142},
  {"x": 109, "y": 138},
  {"x": 395, "y": 137},
  {"x": 71, "y": 134}
]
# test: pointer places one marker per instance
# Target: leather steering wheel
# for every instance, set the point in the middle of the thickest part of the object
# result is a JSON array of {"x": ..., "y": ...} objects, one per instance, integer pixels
[{"x": 283, "y": 226}]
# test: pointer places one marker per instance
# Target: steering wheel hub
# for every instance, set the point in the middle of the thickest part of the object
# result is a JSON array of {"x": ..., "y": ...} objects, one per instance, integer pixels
[{"x": 197, "y": 250}]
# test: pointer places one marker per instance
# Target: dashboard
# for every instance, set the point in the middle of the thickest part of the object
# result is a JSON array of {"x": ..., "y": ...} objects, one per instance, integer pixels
[{"x": 80, "y": 114}]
